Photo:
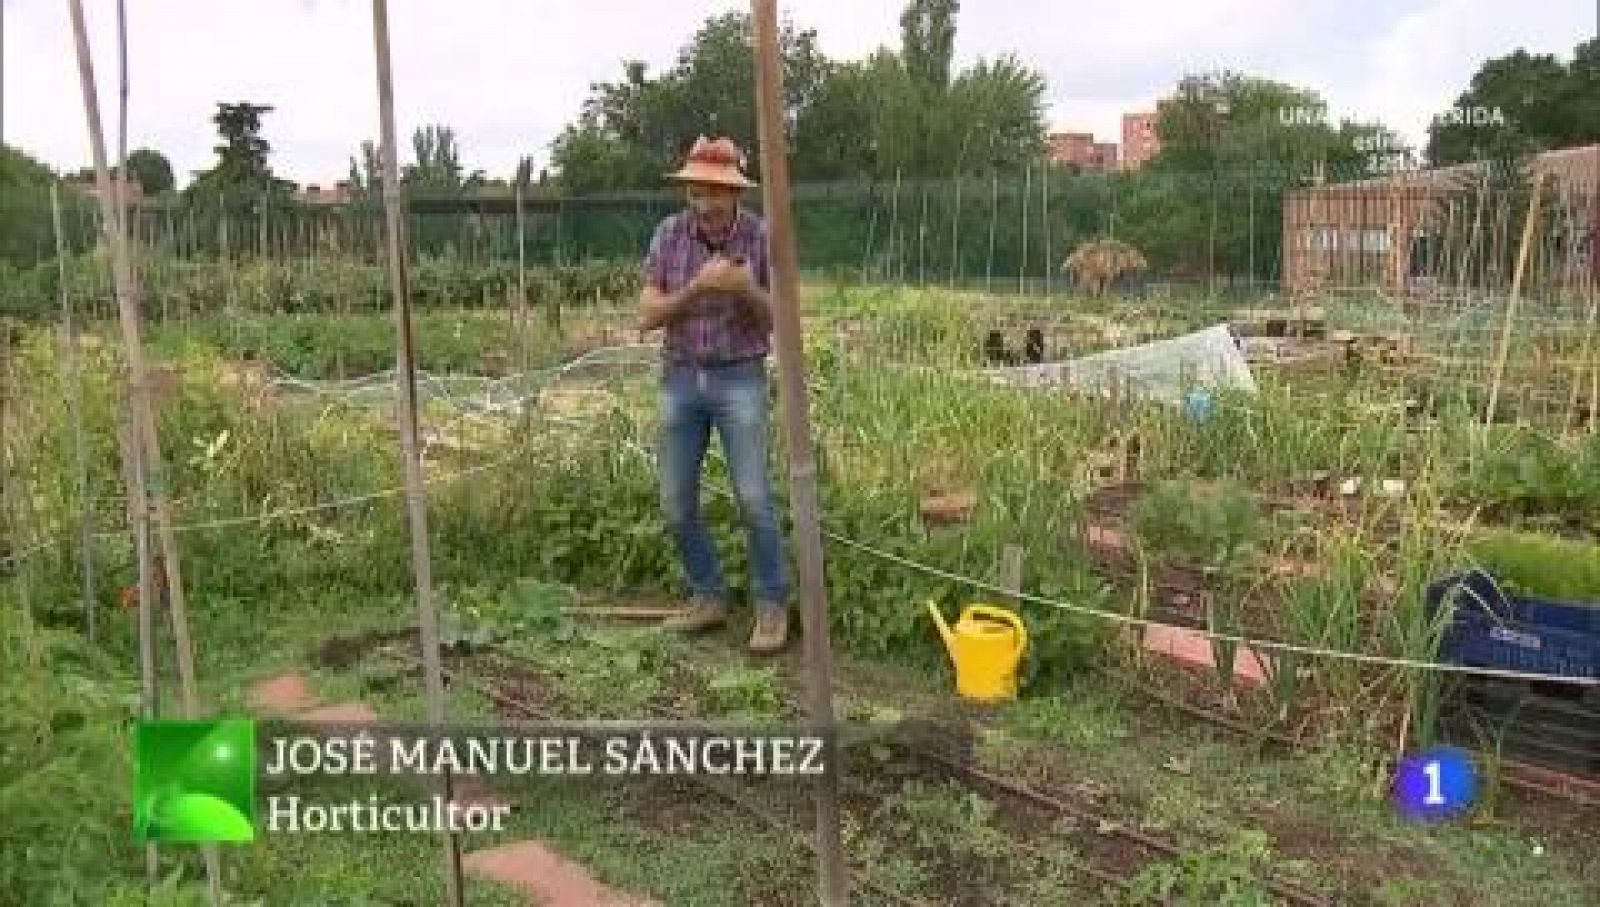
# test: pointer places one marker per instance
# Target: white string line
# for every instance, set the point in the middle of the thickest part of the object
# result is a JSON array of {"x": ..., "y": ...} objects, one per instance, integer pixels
[
  {"x": 1128, "y": 619},
  {"x": 270, "y": 516}
]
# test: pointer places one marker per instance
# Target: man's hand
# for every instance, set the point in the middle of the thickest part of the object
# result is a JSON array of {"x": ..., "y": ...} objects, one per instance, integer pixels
[
  {"x": 723, "y": 275},
  {"x": 718, "y": 275}
]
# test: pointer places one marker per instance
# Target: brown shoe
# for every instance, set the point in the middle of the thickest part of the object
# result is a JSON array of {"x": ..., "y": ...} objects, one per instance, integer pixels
[
  {"x": 702, "y": 615},
  {"x": 771, "y": 632}
]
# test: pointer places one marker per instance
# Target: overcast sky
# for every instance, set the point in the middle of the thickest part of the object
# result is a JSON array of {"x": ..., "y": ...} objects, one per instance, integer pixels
[{"x": 507, "y": 74}]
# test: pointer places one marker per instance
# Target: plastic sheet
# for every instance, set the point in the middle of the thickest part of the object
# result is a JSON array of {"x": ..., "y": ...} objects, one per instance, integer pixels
[{"x": 1164, "y": 370}]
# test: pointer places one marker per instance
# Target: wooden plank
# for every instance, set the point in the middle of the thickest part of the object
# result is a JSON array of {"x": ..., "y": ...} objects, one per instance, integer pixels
[{"x": 1011, "y": 572}]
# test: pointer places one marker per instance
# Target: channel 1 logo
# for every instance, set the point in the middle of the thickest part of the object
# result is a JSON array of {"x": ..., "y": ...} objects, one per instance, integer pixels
[{"x": 1435, "y": 785}]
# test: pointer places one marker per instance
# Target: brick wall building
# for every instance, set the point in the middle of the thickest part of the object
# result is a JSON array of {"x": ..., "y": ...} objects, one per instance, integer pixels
[
  {"x": 131, "y": 188},
  {"x": 1081, "y": 150},
  {"x": 336, "y": 194},
  {"x": 1139, "y": 141},
  {"x": 1412, "y": 232}
]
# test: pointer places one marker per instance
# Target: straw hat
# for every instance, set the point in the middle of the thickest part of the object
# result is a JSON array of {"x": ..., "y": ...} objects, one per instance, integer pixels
[{"x": 714, "y": 161}]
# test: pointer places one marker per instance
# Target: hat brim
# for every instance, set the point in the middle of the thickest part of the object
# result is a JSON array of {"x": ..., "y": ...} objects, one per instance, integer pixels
[{"x": 713, "y": 176}]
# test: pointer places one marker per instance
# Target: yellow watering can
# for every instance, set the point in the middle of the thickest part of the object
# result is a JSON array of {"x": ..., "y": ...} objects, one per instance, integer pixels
[{"x": 986, "y": 646}]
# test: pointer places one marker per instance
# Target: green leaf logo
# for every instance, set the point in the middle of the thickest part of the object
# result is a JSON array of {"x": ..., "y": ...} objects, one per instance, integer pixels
[{"x": 195, "y": 782}]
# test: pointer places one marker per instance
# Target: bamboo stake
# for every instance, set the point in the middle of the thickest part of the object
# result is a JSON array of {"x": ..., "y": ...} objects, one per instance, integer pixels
[
  {"x": 894, "y": 232},
  {"x": 522, "y": 283},
  {"x": 126, "y": 285},
  {"x": 75, "y": 404},
  {"x": 1477, "y": 224},
  {"x": 405, "y": 377},
  {"x": 1022, "y": 265},
  {"x": 994, "y": 219},
  {"x": 122, "y": 115},
  {"x": 955, "y": 234},
  {"x": 872, "y": 230},
  {"x": 1511, "y": 304},
  {"x": 1044, "y": 215},
  {"x": 139, "y": 522},
  {"x": 833, "y": 875},
  {"x": 922, "y": 236}
]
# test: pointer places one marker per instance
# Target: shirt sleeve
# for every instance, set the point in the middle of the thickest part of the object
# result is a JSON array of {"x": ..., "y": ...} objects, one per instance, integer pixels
[{"x": 655, "y": 260}]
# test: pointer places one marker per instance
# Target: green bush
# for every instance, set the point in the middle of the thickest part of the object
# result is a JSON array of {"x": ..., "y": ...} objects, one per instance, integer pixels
[
  {"x": 1540, "y": 565},
  {"x": 193, "y": 288}
]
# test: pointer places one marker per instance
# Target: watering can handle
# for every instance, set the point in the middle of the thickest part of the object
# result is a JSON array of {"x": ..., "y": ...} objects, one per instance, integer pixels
[{"x": 1004, "y": 616}]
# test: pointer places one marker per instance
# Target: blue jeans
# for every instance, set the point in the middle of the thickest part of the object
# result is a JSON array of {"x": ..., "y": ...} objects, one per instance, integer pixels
[{"x": 733, "y": 399}]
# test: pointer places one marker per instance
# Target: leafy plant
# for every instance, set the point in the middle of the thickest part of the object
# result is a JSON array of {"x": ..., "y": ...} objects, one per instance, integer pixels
[
  {"x": 1209, "y": 524},
  {"x": 746, "y": 692},
  {"x": 1224, "y": 874},
  {"x": 947, "y": 820},
  {"x": 479, "y": 616}
]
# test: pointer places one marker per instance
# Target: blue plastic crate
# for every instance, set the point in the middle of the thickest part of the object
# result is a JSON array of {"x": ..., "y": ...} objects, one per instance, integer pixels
[{"x": 1492, "y": 628}]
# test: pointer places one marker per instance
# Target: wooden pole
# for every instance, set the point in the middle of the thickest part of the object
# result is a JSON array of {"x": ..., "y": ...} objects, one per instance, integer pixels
[
  {"x": 1044, "y": 216},
  {"x": 1511, "y": 304},
  {"x": 139, "y": 521},
  {"x": 955, "y": 234},
  {"x": 122, "y": 114},
  {"x": 405, "y": 377},
  {"x": 833, "y": 876},
  {"x": 126, "y": 284},
  {"x": 894, "y": 231},
  {"x": 522, "y": 281},
  {"x": 922, "y": 240},
  {"x": 1022, "y": 266},
  {"x": 994, "y": 219},
  {"x": 1011, "y": 573},
  {"x": 75, "y": 406}
]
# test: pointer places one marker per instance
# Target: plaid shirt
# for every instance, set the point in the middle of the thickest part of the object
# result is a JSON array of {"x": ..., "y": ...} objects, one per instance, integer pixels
[{"x": 718, "y": 333}]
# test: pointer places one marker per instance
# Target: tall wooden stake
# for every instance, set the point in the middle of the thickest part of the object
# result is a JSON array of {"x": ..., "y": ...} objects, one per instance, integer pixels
[
  {"x": 1511, "y": 304},
  {"x": 522, "y": 282},
  {"x": 405, "y": 377},
  {"x": 126, "y": 285},
  {"x": 139, "y": 520},
  {"x": 75, "y": 406},
  {"x": 955, "y": 234},
  {"x": 1022, "y": 266},
  {"x": 122, "y": 114},
  {"x": 834, "y": 879}
]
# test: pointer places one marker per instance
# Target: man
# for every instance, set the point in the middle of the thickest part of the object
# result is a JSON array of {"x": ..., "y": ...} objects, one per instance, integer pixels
[{"x": 706, "y": 285}]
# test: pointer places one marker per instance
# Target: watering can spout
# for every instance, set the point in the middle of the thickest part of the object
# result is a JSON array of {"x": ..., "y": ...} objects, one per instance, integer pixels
[{"x": 944, "y": 627}]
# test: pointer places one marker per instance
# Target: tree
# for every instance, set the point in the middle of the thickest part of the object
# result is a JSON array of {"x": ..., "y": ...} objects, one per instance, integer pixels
[
  {"x": 927, "y": 41},
  {"x": 1231, "y": 122},
  {"x": 1519, "y": 104},
  {"x": 998, "y": 107},
  {"x": 633, "y": 130},
  {"x": 242, "y": 157},
  {"x": 891, "y": 113},
  {"x": 152, "y": 170},
  {"x": 366, "y": 177},
  {"x": 26, "y": 233},
  {"x": 437, "y": 165}
]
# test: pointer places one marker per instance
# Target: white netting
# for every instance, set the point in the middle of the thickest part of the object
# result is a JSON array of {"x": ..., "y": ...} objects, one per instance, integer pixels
[{"x": 468, "y": 393}]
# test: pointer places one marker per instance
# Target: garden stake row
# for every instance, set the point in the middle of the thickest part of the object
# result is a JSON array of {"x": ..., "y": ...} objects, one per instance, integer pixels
[
  {"x": 125, "y": 282},
  {"x": 74, "y": 396}
]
